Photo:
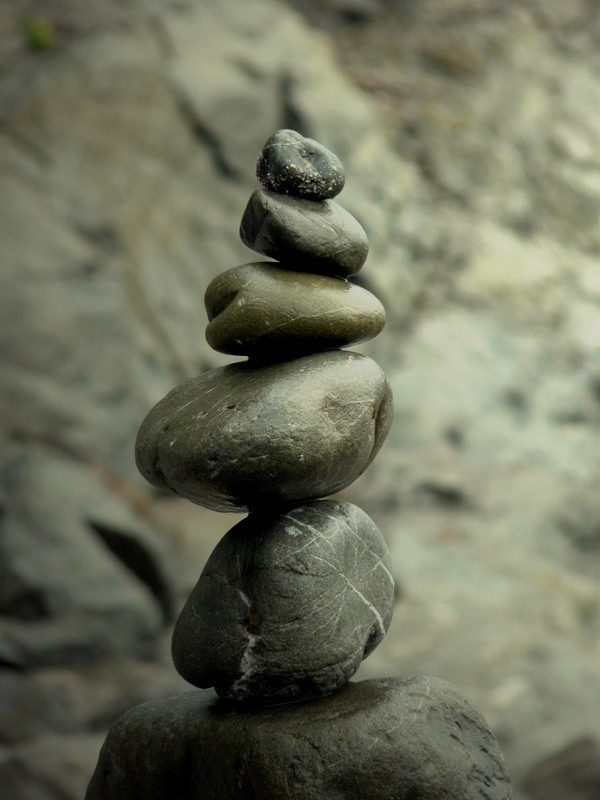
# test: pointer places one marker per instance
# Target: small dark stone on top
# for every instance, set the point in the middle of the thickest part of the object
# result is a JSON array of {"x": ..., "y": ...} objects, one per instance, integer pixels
[{"x": 291, "y": 164}]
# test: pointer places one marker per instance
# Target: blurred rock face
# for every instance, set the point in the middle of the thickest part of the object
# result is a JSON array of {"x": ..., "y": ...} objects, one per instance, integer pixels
[
  {"x": 571, "y": 774},
  {"x": 126, "y": 202},
  {"x": 126, "y": 158}
]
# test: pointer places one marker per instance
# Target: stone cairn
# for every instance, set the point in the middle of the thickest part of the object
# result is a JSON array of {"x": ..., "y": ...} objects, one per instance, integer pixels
[{"x": 298, "y": 593}]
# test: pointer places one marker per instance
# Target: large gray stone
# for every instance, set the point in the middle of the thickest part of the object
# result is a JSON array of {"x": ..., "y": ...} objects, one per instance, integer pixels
[
  {"x": 248, "y": 436},
  {"x": 288, "y": 605},
  {"x": 391, "y": 739},
  {"x": 306, "y": 235},
  {"x": 260, "y": 310}
]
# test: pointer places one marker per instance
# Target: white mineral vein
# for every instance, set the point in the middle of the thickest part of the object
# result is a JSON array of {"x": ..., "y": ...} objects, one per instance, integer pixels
[
  {"x": 248, "y": 663},
  {"x": 338, "y": 567}
]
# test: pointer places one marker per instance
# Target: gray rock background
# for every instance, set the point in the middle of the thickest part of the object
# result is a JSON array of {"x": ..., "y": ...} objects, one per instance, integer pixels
[{"x": 470, "y": 134}]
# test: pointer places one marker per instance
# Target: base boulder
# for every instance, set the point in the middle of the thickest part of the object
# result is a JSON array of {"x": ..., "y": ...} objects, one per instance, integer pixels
[{"x": 388, "y": 739}]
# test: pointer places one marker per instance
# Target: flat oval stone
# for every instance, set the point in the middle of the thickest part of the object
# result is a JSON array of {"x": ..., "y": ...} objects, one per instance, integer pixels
[
  {"x": 409, "y": 738},
  {"x": 305, "y": 235},
  {"x": 291, "y": 164},
  {"x": 249, "y": 435},
  {"x": 287, "y": 605},
  {"x": 260, "y": 310}
]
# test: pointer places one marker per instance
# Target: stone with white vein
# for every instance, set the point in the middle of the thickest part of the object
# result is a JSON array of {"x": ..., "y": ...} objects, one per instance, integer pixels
[{"x": 288, "y": 605}]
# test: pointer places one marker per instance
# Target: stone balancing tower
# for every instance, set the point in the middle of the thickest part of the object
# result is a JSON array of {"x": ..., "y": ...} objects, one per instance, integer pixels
[{"x": 298, "y": 593}]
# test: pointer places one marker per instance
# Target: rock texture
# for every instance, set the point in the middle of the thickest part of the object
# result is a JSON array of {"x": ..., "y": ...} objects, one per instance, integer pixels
[
  {"x": 97, "y": 586},
  {"x": 571, "y": 774},
  {"x": 249, "y": 436},
  {"x": 262, "y": 311},
  {"x": 290, "y": 751},
  {"x": 53, "y": 766},
  {"x": 487, "y": 487},
  {"x": 28, "y": 709},
  {"x": 287, "y": 605}
]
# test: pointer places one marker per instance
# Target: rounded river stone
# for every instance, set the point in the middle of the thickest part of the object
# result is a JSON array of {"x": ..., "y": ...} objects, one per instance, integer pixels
[
  {"x": 291, "y": 164},
  {"x": 410, "y": 738},
  {"x": 253, "y": 435},
  {"x": 305, "y": 235},
  {"x": 288, "y": 605},
  {"x": 260, "y": 310}
]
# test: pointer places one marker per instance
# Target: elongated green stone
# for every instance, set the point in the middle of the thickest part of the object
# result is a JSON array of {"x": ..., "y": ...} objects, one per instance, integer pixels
[{"x": 260, "y": 310}]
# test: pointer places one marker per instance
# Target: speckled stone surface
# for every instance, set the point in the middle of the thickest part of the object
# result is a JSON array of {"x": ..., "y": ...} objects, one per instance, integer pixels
[
  {"x": 413, "y": 738},
  {"x": 262, "y": 311},
  {"x": 254, "y": 436},
  {"x": 288, "y": 605},
  {"x": 304, "y": 235},
  {"x": 291, "y": 164}
]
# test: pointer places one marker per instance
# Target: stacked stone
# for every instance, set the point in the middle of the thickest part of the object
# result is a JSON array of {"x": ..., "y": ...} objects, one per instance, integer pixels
[{"x": 296, "y": 595}]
